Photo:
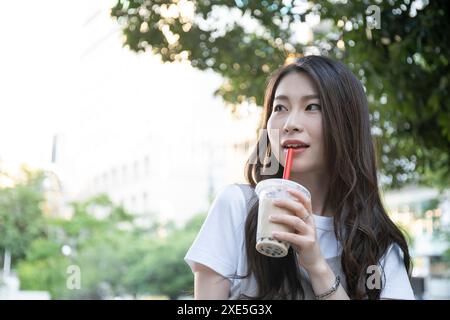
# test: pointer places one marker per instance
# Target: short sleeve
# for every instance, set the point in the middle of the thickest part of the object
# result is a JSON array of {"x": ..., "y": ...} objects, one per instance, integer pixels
[
  {"x": 397, "y": 284},
  {"x": 218, "y": 243}
]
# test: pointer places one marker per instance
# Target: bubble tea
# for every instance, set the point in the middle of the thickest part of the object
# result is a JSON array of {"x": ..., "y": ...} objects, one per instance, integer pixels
[{"x": 267, "y": 191}]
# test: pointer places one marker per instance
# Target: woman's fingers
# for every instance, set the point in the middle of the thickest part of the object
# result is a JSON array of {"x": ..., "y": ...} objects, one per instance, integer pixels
[
  {"x": 301, "y": 241},
  {"x": 289, "y": 220},
  {"x": 297, "y": 208},
  {"x": 300, "y": 196}
]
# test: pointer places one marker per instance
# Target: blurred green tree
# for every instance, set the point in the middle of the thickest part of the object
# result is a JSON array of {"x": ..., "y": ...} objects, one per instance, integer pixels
[
  {"x": 97, "y": 237},
  {"x": 116, "y": 258},
  {"x": 403, "y": 64},
  {"x": 21, "y": 219},
  {"x": 44, "y": 268},
  {"x": 161, "y": 268}
]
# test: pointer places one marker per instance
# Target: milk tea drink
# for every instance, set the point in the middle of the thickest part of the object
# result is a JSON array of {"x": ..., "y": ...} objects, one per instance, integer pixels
[{"x": 268, "y": 190}]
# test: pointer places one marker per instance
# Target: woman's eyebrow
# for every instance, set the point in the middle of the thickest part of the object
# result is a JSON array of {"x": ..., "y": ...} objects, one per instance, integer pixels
[{"x": 306, "y": 97}]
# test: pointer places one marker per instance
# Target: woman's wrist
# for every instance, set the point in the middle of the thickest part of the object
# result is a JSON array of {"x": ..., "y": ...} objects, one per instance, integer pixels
[
  {"x": 319, "y": 269},
  {"x": 322, "y": 278}
]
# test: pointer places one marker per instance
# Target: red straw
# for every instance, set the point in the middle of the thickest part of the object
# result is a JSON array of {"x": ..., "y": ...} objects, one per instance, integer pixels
[{"x": 287, "y": 167}]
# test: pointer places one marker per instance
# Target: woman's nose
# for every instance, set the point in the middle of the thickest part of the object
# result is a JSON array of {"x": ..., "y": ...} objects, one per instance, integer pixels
[{"x": 293, "y": 123}]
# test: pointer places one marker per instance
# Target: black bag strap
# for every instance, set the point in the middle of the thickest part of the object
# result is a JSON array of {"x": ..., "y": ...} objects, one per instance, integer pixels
[{"x": 250, "y": 195}]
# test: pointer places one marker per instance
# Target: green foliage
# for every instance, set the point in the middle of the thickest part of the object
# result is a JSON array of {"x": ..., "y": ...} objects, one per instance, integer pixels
[
  {"x": 113, "y": 260},
  {"x": 403, "y": 65},
  {"x": 163, "y": 270},
  {"x": 431, "y": 204},
  {"x": 21, "y": 218},
  {"x": 116, "y": 257},
  {"x": 44, "y": 268}
]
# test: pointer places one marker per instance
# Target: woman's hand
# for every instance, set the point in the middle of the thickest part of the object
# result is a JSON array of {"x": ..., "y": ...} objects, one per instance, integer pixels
[
  {"x": 303, "y": 239},
  {"x": 304, "y": 242}
]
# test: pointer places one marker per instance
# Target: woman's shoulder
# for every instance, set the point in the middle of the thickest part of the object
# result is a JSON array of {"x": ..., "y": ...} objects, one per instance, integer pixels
[
  {"x": 235, "y": 192},
  {"x": 233, "y": 197}
]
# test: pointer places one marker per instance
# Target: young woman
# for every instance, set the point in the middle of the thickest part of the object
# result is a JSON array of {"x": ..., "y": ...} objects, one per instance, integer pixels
[{"x": 344, "y": 245}]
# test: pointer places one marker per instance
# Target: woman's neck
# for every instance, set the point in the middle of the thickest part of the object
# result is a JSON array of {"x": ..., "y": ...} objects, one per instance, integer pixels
[{"x": 317, "y": 184}]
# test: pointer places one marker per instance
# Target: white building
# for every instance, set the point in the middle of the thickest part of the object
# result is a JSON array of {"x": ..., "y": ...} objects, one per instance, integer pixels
[
  {"x": 151, "y": 136},
  {"x": 408, "y": 208}
]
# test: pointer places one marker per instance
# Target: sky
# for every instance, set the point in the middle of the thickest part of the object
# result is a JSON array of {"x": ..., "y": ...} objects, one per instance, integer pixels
[
  {"x": 37, "y": 62},
  {"x": 62, "y": 68}
]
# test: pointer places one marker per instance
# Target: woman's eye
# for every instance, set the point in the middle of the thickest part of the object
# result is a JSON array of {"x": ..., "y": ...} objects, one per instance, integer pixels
[
  {"x": 313, "y": 105},
  {"x": 276, "y": 108}
]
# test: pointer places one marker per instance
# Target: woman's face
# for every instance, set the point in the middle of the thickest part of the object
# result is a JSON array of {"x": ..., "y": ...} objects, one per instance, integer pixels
[{"x": 297, "y": 115}]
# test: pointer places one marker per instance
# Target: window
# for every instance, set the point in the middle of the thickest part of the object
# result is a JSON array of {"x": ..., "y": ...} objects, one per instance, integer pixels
[
  {"x": 136, "y": 169},
  {"x": 124, "y": 173},
  {"x": 147, "y": 165},
  {"x": 105, "y": 180},
  {"x": 113, "y": 176},
  {"x": 133, "y": 203},
  {"x": 144, "y": 201}
]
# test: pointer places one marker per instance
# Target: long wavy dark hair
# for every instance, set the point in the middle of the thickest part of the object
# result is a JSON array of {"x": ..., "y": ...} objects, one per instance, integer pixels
[{"x": 361, "y": 223}]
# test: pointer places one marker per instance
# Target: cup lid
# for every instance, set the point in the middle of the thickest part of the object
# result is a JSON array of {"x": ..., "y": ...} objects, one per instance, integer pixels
[{"x": 268, "y": 183}]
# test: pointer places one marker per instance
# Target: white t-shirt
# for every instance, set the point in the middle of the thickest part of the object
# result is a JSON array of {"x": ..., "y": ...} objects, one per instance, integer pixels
[{"x": 220, "y": 245}]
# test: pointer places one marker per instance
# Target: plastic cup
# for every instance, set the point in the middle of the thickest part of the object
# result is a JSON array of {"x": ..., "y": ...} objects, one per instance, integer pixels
[{"x": 268, "y": 190}]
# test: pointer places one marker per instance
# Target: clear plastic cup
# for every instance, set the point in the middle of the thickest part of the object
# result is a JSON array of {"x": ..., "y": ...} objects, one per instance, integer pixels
[{"x": 267, "y": 191}]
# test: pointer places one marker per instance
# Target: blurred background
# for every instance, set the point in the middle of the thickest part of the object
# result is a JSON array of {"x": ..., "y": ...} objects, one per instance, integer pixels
[{"x": 121, "y": 120}]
